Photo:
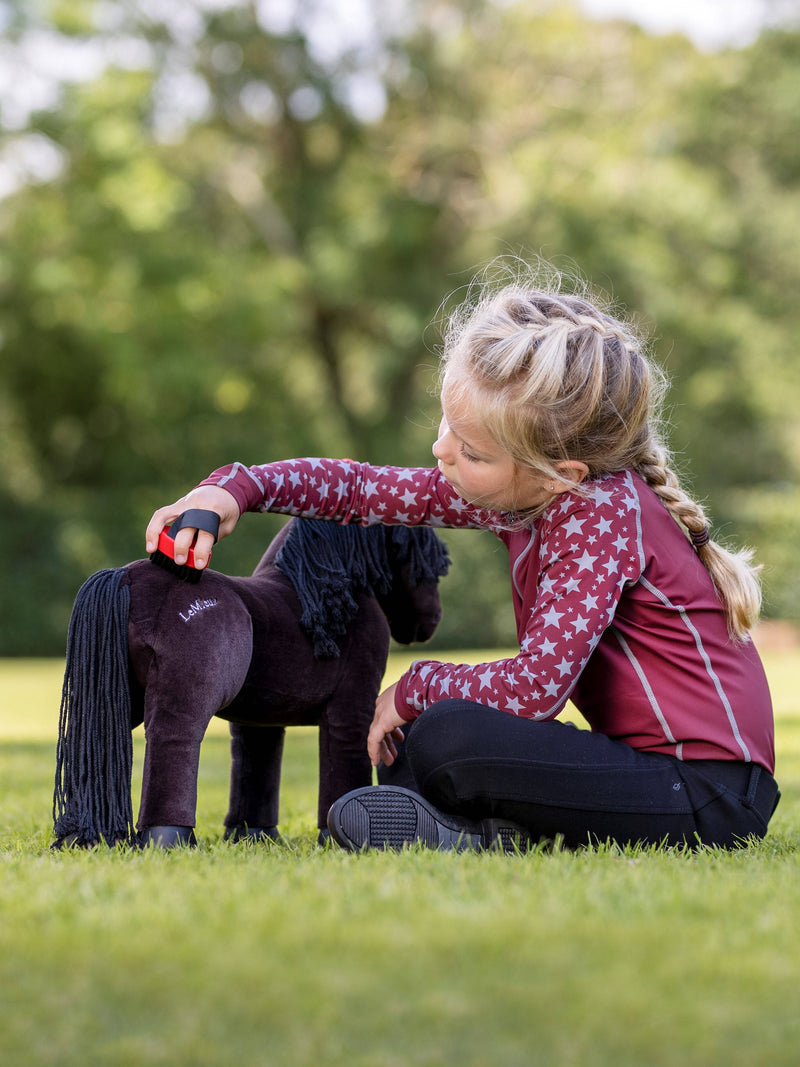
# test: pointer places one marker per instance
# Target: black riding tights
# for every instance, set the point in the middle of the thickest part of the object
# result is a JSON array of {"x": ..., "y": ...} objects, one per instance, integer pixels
[{"x": 567, "y": 784}]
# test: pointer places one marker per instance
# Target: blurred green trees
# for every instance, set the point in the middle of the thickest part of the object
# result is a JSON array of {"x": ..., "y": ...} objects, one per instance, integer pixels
[{"x": 247, "y": 230}]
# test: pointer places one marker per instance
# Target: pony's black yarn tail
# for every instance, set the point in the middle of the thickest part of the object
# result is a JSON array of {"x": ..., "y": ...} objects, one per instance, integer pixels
[{"x": 92, "y": 799}]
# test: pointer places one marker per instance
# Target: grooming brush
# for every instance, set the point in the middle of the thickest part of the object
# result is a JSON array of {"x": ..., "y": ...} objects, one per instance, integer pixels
[{"x": 164, "y": 555}]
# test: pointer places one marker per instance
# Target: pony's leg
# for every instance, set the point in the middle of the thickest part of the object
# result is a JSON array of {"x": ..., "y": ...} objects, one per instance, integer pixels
[
  {"x": 344, "y": 724},
  {"x": 343, "y": 760},
  {"x": 178, "y": 706},
  {"x": 256, "y": 754},
  {"x": 174, "y": 726}
]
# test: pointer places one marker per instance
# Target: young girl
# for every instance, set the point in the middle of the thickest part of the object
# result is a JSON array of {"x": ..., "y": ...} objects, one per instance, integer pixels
[{"x": 549, "y": 437}]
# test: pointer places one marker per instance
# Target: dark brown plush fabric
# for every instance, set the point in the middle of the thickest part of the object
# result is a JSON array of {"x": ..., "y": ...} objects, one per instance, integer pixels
[{"x": 234, "y": 647}]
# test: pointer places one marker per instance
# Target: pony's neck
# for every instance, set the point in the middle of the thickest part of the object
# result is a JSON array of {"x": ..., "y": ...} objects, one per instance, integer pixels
[{"x": 330, "y": 565}]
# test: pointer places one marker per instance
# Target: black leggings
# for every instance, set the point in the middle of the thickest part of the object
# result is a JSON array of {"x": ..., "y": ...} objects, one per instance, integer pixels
[{"x": 579, "y": 787}]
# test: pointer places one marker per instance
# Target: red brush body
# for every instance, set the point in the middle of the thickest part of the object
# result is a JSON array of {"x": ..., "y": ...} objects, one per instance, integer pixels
[{"x": 164, "y": 555}]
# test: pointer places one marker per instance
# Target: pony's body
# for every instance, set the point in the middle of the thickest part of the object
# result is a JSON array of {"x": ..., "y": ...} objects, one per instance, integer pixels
[{"x": 236, "y": 648}]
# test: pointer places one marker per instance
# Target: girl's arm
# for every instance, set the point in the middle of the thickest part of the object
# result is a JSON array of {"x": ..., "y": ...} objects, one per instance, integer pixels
[
  {"x": 347, "y": 491},
  {"x": 318, "y": 488},
  {"x": 588, "y": 551}
]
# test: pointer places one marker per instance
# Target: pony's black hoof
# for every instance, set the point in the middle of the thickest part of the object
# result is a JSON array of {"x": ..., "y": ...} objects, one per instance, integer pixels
[
  {"x": 167, "y": 837},
  {"x": 252, "y": 833},
  {"x": 323, "y": 838}
]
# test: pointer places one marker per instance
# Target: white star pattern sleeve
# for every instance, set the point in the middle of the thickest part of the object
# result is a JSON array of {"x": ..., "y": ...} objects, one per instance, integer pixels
[
  {"x": 585, "y": 550},
  {"x": 350, "y": 492}
]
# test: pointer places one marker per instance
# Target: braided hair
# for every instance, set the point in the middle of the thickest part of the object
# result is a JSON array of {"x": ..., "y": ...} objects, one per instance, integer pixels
[{"x": 560, "y": 379}]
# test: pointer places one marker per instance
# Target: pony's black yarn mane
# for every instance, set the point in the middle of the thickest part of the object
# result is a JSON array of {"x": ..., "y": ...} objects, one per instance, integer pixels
[{"x": 330, "y": 564}]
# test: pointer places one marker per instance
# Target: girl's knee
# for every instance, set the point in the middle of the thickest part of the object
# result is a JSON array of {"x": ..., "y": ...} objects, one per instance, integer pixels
[
  {"x": 446, "y": 731},
  {"x": 440, "y": 722}
]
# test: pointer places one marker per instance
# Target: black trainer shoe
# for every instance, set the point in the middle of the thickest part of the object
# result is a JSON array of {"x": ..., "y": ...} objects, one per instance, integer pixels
[{"x": 388, "y": 816}]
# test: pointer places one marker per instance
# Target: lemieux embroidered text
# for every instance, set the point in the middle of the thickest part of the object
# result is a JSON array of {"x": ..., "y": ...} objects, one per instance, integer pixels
[{"x": 196, "y": 607}]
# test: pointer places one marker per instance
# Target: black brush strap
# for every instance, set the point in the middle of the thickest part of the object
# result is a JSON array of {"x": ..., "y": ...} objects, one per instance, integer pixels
[{"x": 198, "y": 519}]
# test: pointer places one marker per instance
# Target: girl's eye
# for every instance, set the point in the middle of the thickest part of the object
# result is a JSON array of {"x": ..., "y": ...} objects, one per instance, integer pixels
[{"x": 467, "y": 456}]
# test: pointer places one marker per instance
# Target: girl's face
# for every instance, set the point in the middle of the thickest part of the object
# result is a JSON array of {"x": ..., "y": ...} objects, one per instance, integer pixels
[{"x": 478, "y": 469}]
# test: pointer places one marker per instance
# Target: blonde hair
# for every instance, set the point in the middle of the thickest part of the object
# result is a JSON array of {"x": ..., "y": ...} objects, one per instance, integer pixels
[{"x": 557, "y": 378}]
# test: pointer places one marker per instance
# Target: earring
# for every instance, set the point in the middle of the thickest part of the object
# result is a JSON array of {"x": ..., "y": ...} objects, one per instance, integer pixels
[{"x": 552, "y": 488}]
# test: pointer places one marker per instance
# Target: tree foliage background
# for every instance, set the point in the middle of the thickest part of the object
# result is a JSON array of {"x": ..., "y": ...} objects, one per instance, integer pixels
[{"x": 230, "y": 235}]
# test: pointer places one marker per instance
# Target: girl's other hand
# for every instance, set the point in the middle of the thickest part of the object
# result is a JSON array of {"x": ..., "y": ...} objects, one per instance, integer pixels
[
  {"x": 206, "y": 497},
  {"x": 385, "y": 730}
]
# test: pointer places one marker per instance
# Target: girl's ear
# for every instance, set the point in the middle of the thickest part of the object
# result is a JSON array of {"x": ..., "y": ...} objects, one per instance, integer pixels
[{"x": 573, "y": 472}]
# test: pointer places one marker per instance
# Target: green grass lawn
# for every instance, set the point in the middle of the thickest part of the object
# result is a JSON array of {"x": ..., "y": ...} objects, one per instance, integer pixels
[{"x": 291, "y": 955}]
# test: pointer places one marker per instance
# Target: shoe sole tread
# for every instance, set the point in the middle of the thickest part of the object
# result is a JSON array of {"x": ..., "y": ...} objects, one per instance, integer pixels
[{"x": 389, "y": 817}]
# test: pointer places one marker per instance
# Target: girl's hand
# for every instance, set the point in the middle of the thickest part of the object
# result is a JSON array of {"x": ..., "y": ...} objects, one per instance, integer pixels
[
  {"x": 385, "y": 729},
  {"x": 207, "y": 497}
]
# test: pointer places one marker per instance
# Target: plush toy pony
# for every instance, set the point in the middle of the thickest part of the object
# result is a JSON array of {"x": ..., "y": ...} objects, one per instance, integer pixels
[{"x": 302, "y": 641}]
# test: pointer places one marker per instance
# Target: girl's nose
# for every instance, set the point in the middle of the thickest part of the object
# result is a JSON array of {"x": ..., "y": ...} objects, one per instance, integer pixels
[{"x": 439, "y": 447}]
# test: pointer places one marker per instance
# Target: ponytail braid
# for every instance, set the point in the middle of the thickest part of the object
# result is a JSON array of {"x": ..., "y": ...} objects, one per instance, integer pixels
[{"x": 732, "y": 572}]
